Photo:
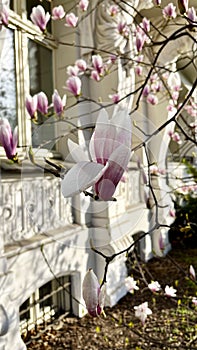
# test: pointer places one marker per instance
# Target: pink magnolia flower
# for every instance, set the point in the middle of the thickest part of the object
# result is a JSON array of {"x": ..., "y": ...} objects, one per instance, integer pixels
[
  {"x": 113, "y": 10},
  {"x": 146, "y": 91},
  {"x": 81, "y": 65},
  {"x": 58, "y": 103},
  {"x": 191, "y": 14},
  {"x": 112, "y": 59},
  {"x": 192, "y": 272},
  {"x": 154, "y": 286},
  {"x": 146, "y": 25},
  {"x": 74, "y": 85},
  {"x": 142, "y": 311},
  {"x": 131, "y": 284},
  {"x": 115, "y": 98},
  {"x": 152, "y": 99},
  {"x": 4, "y": 14},
  {"x": 42, "y": 105},
  {"x": 176, "y": 137},
  {"x": 95, "y": 75},
  {"x": 170, "y": 291},
  {"x": 123, "y": 29},
  {"x": 39, "y": 17},
  {"x": 169, "y": 11},
  {"x": 71, "y": 20},
  {"x": 93, "y": 295},
  {"x": 158, "y": 2},
  {"x": 140, "y": 40},
  {"x": 138, "y": 70},
  {"x": 97, "y": 63},
  {"x": 31, "y": 104},
  {"x": 183, "y": 6},
  {"x": 58, "y": 12},
  {"x": 72, "y": 70},
  {"x": 8, "y": 139},
  {"x": 109, "y": 149},
  {"x": 83, "y": 5}
]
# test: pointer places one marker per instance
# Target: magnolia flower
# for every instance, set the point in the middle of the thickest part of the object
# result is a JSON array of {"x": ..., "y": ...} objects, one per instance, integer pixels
[
  {"x": 112, "y": 59},
  {"x": 39, "y": 17},
  {"x": 81, "y": 65},
  {"x": 169, "y": 11},
  {"x": 72, "y": 70},
  {"x": 95, "y": 75},
  {"x": 83, "y": 5},
  {"x": 115, "y": 98},
  {"x": 176, "y": 137},
  {"x": 152, "y": 99},
  {"x": 191, "y": 13},
  {"x": 138, "y": 70},
  {"x": 109, "y": 149},
  {"x": 154, "y": 286},
  {"x": 158, "y": 2},
  {"x": 31, "y": 104},
  {"x": 146, "y": 24},
  {"x": 140, "y": 40},
  {"x": 58, "y": 12},
  {"x": 71, "y": 20},
  {"x": 192, "y": 272},
  {"x": 42, "y": 103},
  {"x": 183, "y": 6},
  {"x": 123, "y": 29},
  {"x": 8, "y": 139},
  {"x": 4, "y": 14},
  {"x": 93, "y": 295},
  {"x": 113, "y": 10},
  {"x": 97, "y": 63},
  {"x": 146, "y": 91},
  {"x": 74, "y": 85},
  {"x": 131, "y": 284},
  {"x": 142, "y": 311},
  {"x": 170, "y": 291},
  {"x": 58, "y": 103}
]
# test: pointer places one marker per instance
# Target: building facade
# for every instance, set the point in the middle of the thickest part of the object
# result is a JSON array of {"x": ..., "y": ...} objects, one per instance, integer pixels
[{"x": 45, "y": 237}]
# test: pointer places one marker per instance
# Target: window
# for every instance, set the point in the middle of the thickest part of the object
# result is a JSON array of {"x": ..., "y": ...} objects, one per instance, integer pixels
[
  {"x": 45, "y": 305},
  {"x": 8, "y": 77},
  {"x": 26, "y": 64}
]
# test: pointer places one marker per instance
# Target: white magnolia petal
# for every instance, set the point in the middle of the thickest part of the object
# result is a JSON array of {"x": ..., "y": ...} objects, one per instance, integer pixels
[
  {"x": 122, "y": 121},
  {"x": 80, "y": 177},
  {"x": 90, "y": 290},
  {"x": 121, "y": 156},
  {"x": 76, "y": 152},
  {"x": 100, "y": 133}
]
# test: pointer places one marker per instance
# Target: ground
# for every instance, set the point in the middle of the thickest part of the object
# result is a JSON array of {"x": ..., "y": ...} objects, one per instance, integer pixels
[{"x": 172, "y": 325}]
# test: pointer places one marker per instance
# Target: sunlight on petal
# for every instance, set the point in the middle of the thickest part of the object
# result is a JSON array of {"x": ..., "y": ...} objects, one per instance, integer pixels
[{"x": 80, "y": 177}]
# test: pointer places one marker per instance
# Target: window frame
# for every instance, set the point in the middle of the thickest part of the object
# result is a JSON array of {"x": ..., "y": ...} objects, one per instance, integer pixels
[{"x": 24, "y": 30}]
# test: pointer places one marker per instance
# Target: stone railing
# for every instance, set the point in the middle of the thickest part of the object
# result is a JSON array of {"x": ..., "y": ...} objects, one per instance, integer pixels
[{"x": 31, "y": 204}]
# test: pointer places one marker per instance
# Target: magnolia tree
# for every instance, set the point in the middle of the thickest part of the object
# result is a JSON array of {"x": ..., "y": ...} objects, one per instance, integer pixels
[{"x": 154, "y": 53}]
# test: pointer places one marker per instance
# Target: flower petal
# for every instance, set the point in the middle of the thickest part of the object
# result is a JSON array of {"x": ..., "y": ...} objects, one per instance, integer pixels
[
  {"x": 91, "y": 290},
  {"x": 117, "y": 164},
  {"x": 109, "y": 135},
  {"x": 97, "y": 142},
  {"x": 80, "y": 177},
  {"x": 76, "y": 152}
]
